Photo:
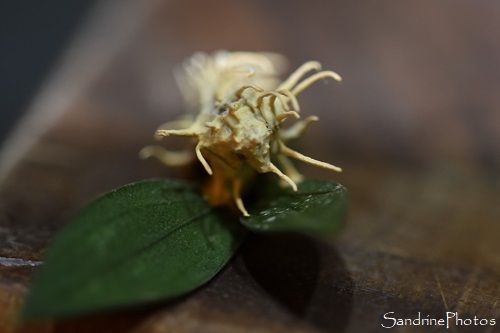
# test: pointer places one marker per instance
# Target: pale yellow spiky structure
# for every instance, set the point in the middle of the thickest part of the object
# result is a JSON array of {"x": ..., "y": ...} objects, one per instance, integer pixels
[{"x": 241, "y": 107}]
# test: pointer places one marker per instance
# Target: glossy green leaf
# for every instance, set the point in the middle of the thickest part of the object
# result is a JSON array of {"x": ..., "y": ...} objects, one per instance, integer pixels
[
  {"x": 317, "y": 208},
  {"x": 142, "y": 242}
]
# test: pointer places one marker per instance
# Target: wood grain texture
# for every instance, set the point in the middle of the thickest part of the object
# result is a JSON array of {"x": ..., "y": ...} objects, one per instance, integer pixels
[{"x": 415, "y": 126}]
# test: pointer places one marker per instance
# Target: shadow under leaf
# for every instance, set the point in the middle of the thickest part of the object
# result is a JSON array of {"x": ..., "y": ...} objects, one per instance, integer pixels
[{"x": 307, "y": 277}]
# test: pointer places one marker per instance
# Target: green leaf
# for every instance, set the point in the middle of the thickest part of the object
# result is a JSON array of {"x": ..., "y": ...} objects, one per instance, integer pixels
[
  {"x": 317, "y": 208},
  {"x": 142, "y": 242}
]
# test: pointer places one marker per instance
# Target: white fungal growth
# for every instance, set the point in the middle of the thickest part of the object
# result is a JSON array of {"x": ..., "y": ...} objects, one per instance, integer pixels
[{"x": 241, "y": 107}]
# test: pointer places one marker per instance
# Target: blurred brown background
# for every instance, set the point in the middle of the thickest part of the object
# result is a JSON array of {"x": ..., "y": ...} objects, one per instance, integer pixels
[{"x": 415, "y": 125}]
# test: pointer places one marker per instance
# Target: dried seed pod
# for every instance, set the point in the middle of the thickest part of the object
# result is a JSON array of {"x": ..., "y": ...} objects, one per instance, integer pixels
[{"x": 242, "y": 107}]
